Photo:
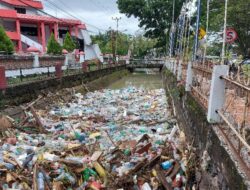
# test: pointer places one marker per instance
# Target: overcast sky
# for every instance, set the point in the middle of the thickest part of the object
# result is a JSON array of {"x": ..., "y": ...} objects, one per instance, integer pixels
[{"x": 97, "y": 14}]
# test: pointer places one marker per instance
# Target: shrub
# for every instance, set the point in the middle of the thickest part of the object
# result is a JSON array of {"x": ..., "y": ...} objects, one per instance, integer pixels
[
  {"x": 68, "y": 43},
  {"x": 6, "y": 44},
  {"x": 53, "y": 47}
]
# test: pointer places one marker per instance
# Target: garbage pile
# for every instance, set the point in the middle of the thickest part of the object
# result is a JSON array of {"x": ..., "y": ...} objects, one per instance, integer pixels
[{"x": 108, "y": 139}]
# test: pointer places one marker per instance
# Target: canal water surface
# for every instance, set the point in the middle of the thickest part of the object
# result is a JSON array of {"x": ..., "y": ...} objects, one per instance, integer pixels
[{"x": 143, "y": 80}]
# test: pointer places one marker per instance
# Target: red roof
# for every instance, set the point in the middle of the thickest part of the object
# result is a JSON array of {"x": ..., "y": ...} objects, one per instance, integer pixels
[
  {"x": 24, "y": 3},
  {"x": 47, "y": 19},
  {"x": 12, "y": 14},
  {"x": 5, "y": 13},
  {"x": 82, "y": 26}
]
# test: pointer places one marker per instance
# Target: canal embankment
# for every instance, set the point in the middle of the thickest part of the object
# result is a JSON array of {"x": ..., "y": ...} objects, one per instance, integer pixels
[
  {"x": 221, "y": 170},
  {"x": 26, "y": 92}
]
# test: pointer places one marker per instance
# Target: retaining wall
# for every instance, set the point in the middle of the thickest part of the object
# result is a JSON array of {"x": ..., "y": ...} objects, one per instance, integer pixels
[
  {"x": 222, "y": 172},
  {"x": 22, "y": 93}
]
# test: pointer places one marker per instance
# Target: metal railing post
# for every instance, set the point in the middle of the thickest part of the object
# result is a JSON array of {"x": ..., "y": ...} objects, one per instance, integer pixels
[
  {"x": 3, "y": 80},
  {"x": 21, "y": 75}
]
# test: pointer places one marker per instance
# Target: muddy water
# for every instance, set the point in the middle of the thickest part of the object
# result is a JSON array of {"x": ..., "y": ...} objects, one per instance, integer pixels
[{"x": 146, "y": 81}]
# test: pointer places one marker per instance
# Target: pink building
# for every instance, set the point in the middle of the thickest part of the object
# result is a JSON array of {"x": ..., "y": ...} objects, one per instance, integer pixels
[{"x": 27, "y": 26}]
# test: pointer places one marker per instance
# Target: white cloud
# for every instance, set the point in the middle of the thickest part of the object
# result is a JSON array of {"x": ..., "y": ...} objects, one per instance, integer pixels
[{"x": 97, "y": 14}]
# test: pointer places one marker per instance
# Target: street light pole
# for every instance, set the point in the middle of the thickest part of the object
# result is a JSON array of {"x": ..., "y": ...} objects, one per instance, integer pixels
[{"x": 117, "y": 19}]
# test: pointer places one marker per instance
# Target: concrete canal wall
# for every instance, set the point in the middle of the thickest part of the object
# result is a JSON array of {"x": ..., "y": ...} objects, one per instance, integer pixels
[
  {"x": 222, "y": 170},
  {"x": 22, "y": 93}
]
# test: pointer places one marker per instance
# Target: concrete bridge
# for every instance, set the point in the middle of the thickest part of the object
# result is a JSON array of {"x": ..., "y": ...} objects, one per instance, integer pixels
[{"x": 145, "y": 64}]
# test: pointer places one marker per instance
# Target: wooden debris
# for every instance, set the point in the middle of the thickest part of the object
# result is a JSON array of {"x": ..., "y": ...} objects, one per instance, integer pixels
[
  {"x": 96, "y": 155},
  {"x": 57, "y": 185},
  {"x": 162, "y": 178},
  {"x": 38, "y": 121},
  {"x": 5, "y": 123},
  {"x": 34, "y": 177}
]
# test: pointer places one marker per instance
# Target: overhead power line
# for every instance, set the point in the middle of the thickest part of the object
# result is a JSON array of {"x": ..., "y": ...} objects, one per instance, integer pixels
[
  {"x": 41, "y": 11},
  {"x": 48, "y": 14},
  {"x": 70, "y": 14},
  {"x": 107, "y": 10}
]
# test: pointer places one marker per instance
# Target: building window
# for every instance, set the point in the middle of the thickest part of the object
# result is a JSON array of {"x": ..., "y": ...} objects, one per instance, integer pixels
[
  {"x": 29, "y": 31},
  {"x": 62, "y": 33},
  {"x": 81, "y": 44},
  {"x": 20, "y": 10}
]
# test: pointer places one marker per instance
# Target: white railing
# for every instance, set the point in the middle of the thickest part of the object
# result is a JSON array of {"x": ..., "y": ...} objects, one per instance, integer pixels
[{"x": 31, "y": 42}]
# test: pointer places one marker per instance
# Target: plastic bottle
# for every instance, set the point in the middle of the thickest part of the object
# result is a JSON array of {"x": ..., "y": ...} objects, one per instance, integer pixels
[
  {"x": 28, "y": 159},
  {"x": 9, "y": 166},
  {"x": 70, "y": 178},
  {"x": 166, "y": 165},
  {"x": 87, "y": 173},
  {"x": 1, "y": 158},
  {"x": 145, "y": 187},
  {"x": 83, "y": 186},
  {"x": 40, "y": 181}
]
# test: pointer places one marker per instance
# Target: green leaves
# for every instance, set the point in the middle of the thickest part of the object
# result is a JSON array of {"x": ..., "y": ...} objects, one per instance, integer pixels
[
  {"x": 142, "y": 45},
  {"x": 53, "y": 47},
  {"x": 105, "y": 42},
  {"x": 238, "y": 18},
  {"x": 68, "y": 43},
  {"x": 154, "y": 15},
  {"x": 6, "y": 44}
]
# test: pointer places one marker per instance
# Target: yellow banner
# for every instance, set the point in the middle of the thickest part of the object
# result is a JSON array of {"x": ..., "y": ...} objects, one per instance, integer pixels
[{"x": 202, "y": 33}]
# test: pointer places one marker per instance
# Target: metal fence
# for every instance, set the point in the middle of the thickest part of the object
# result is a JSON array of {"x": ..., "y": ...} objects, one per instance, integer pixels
[{"x": 233, "y": 124}]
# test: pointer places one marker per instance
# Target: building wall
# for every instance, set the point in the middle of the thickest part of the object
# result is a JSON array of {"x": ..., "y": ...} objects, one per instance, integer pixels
[
  {"x": 89, "y": 52},
  {"x": 32, "y": 11},
  {"x": 28, "y": 10},
  {"x": 47, "y": 33},
  {"x": 9, "y": 25},
  {"x": 83, "y": 34}
]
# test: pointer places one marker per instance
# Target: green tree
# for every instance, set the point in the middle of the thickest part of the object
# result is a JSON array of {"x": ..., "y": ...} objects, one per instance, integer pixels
[
  {"x": 104, "y": 40},
  {"x": 139, "y": 45},
  {"x": 154, "y": 15},
  {"x": 142, "y": 45},
  {"x": 238, "y": 18},
  {"x": 68, "y": 43},
  {"x": 53, "y": 47},
  {"x": 6, "y": 44}
]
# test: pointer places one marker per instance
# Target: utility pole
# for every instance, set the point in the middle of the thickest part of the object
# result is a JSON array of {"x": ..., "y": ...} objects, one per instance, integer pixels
[
  {"x": 117, "y": 19},
  {"x": 112, "y": 43}
]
